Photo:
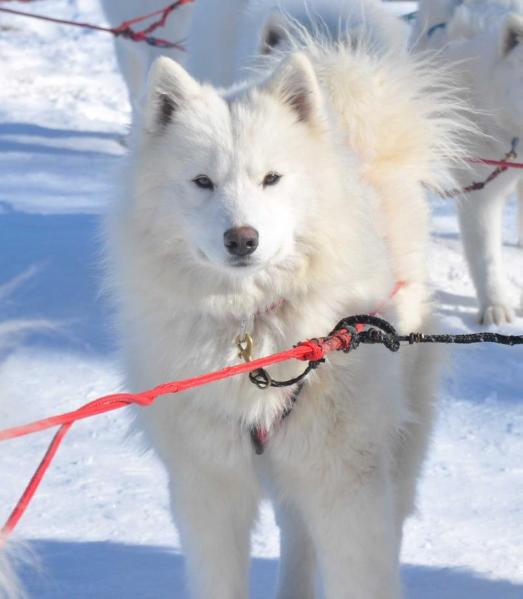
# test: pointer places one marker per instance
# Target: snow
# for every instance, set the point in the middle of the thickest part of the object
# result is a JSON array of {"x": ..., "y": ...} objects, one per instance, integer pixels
[{"x": 100, "y": 525}]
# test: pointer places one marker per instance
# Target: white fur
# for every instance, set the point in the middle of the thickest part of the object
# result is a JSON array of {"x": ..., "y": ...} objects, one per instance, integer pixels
[
  {"x": 135, "y": 58},
  {"x": 355, "y": 132},
  {"x": 476, "y": 37}
]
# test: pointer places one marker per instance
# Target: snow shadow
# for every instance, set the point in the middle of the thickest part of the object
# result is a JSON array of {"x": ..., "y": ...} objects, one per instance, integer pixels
[
  {"x": 38, "y": 130},
  {"x": 108, "y": 570},
  {"x": 56, "y": 170},
  {"x": 463, "y": 307},
  {"x": 113, "y": 570},
  {"x": 63, "y": 253}
]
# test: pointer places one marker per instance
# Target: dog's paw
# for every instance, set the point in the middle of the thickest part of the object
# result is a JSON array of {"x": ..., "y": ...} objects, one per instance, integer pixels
[{"x": 497, "y": 314}]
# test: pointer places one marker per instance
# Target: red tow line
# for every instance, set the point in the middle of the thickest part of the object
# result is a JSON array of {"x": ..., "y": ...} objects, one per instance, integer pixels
[
  {"x": 312, "y": 350},
  {"x": 124, "y": 29}
]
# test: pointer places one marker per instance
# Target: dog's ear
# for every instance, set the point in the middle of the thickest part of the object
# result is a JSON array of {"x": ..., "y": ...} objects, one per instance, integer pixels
[
  {"x": 169, "y": 86},
  {"x": 274, "y": 34},
  {"x": 512, "y": 34},
  {"x": 295, "y": 84}
]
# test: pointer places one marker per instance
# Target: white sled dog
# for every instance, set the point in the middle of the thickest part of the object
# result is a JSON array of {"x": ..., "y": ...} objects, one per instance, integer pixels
[
  {"x": 135, "y": 58},
  {"x": 486, "y": 36},
  {"x": 276, "y": 208}
]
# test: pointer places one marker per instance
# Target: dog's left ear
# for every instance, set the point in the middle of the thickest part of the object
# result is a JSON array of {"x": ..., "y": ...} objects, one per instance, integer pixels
[
  {"x": 512, "y": 34},
  {"x": 169, "y": 87},
  {"x": 295, "y": 84}
]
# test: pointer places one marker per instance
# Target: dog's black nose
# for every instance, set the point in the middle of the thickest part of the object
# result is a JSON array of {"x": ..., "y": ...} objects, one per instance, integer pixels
[{"x": 241, "y": 241}]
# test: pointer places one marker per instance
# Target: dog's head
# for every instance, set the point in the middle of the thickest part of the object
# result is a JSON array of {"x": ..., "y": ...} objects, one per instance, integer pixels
[
  {"x": 488, "y": 45},
  {"x": 234, "y": 181}
]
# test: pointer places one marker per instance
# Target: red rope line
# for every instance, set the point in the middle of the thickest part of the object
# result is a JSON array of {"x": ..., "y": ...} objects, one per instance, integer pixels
[
  {"x": 124, "y": 29},
  {"x": 311, "y": 350}
]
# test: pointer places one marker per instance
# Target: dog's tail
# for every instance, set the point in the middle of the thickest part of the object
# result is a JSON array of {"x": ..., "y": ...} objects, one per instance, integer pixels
[{"x": 403, "y": 117}]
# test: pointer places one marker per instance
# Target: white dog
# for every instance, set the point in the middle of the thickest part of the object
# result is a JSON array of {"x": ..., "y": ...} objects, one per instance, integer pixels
[
  {"x": 485, "y": 36},
  {"x": 135, "y": 58},
  {"x": 276, "y": 208}
]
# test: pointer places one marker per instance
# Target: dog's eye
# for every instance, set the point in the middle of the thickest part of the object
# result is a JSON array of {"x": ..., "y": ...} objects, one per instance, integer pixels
[
  {"x": 271, "y": 178},
  {"x": 203, "y": 182}
]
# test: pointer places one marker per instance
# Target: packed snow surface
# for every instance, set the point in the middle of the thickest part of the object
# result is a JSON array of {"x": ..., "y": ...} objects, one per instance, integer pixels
[{"x": 100, "y": 525}]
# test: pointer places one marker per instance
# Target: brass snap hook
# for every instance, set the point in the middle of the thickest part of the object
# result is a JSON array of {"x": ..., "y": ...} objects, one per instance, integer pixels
[{"x": 245, "y": 345}]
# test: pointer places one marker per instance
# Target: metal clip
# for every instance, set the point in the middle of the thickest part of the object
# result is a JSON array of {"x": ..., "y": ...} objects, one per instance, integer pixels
[{"x": 245, "y": 344}]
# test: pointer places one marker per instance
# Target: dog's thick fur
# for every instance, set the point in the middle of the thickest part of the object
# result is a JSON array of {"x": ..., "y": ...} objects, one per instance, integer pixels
[
  {"x": 353, "y": 132},
  {"x": 484, "y": 37}
]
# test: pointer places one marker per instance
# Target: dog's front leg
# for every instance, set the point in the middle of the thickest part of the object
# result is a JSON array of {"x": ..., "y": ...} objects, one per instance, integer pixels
[
  {"x": 480, "y": 222},
  {"x": 353, "y": 526},
  {"x": 214, "y": 510}
]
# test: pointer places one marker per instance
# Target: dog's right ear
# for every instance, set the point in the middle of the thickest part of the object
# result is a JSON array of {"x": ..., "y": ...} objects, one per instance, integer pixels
[{"x": 169, "y": 86}]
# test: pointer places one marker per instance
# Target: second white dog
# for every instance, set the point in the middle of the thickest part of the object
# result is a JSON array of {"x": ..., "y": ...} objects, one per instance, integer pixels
[{"x": 484, "y": 37}]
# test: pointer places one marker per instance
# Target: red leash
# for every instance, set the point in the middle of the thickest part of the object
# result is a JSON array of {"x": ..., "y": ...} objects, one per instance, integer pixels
[
  {"x": 311, "y": 350},
  {"x": 123, "y": 30}
]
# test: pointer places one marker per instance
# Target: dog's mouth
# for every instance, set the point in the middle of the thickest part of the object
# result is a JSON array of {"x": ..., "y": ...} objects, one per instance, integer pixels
[
  {"x": 241, "y": 262},
  {"x": 231, "y": 263}
]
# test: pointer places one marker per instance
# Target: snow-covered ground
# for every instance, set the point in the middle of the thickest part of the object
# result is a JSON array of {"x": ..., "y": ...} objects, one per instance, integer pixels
[{"x": 100, "y": 525}]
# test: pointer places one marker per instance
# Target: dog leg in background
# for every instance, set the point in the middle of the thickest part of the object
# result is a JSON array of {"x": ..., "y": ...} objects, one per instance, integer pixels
[
  {"x": 520, "y": 213},
  {"x": 213, "y": 39},
  {"x": 133, "y": 66},
  {"x": 215, "y": 512},
  {"x": 297, "y": 570},
  {"x": 480, "y": 220}
]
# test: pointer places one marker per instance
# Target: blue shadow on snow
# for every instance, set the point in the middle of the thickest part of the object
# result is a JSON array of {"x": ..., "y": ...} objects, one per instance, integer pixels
[{"x": 108, "y": 570}]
